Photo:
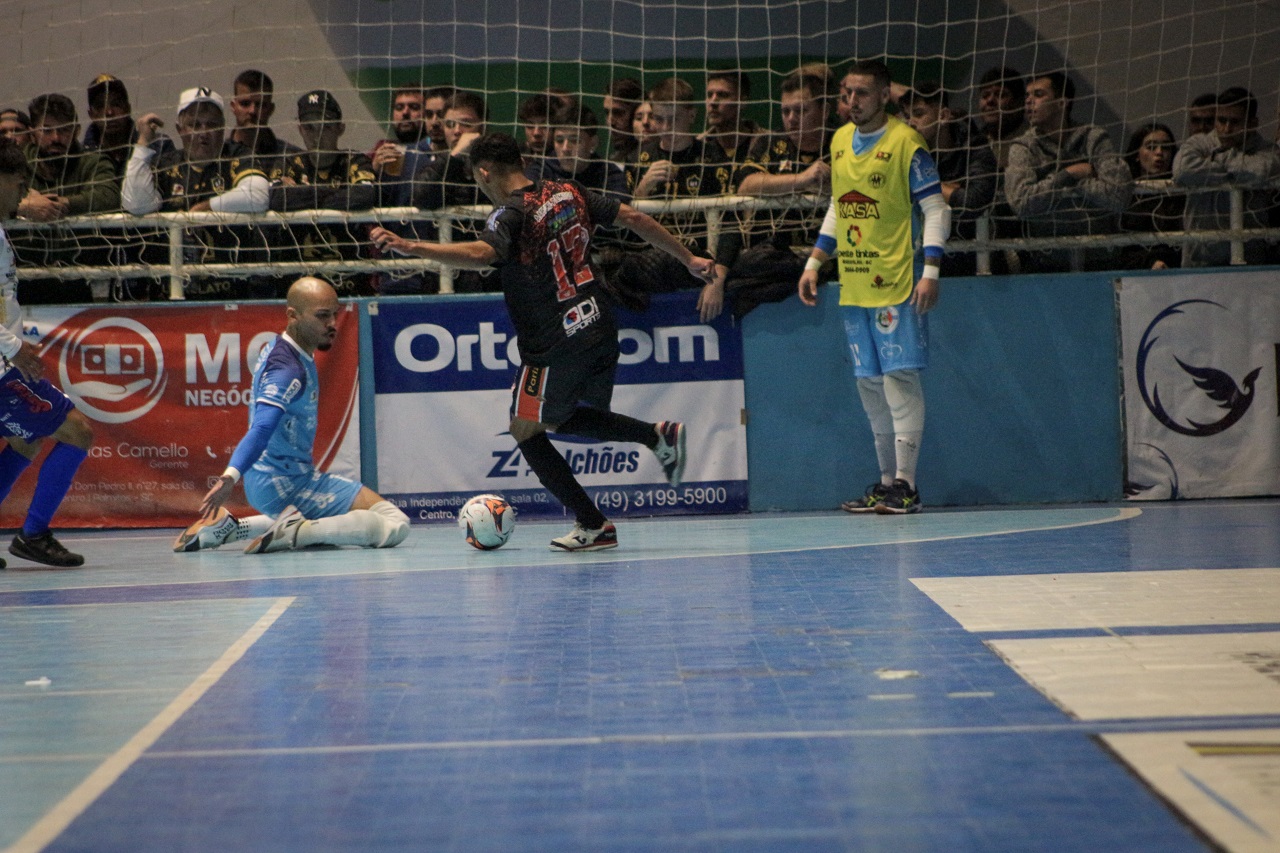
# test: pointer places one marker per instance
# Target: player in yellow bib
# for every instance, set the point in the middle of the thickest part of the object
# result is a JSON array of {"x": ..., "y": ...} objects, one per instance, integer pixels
[{"x": 885, "y": 199}]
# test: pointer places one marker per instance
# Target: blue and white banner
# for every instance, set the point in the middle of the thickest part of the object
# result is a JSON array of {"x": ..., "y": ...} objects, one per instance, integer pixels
[
  {"x": 443, "y": 371},
  {"x": 1201, "y": 358}
]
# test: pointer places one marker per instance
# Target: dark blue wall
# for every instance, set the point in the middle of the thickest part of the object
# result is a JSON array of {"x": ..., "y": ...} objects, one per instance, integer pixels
[{"x": 1022, "y": 398}]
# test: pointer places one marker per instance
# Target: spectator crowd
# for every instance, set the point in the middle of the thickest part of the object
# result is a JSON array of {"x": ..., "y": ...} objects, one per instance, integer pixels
[{"x": 1021, "y": 161}]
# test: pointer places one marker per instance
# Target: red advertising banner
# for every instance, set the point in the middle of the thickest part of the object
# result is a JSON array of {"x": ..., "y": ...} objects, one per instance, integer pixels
[{"x": 166, "y": 388}]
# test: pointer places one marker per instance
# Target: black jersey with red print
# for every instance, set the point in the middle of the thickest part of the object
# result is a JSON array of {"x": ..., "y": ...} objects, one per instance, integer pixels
[{"x": 542, "y": 237}]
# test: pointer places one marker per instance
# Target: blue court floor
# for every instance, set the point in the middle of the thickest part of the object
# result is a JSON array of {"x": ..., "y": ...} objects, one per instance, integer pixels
[{"x": 1100, "y": 678}]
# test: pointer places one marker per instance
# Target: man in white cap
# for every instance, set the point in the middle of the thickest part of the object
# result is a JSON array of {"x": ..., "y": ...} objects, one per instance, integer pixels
[{"x": 210, "y": 172}]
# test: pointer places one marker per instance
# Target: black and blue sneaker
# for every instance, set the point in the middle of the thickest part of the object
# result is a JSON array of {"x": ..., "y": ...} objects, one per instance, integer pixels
[
  {"x": 901, "y": 500},
  {"x": 875, "y": 495}
]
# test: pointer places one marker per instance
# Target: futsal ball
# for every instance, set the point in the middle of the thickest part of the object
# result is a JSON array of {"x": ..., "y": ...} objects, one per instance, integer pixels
[{"x": 488, "y": 521}]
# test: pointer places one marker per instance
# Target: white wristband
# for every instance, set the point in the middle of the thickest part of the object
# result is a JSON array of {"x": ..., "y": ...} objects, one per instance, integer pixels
[
  {"x": 931, "y": 271},
  {"x": 232, "y": 474},
  {"x": 812, "y": 264}
]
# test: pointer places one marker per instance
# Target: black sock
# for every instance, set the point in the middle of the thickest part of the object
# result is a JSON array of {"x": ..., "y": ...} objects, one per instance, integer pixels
[
  {"x": 557, "y": 477},
  {"x": 608, "y": 426}
]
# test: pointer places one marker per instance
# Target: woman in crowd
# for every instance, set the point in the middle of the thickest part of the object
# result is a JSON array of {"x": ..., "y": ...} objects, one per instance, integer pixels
[{"x": 1150, "y": 153}]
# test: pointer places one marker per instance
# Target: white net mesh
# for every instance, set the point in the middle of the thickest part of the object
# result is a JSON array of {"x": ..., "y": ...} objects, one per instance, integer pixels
[{"x": 1131, "y": 63}]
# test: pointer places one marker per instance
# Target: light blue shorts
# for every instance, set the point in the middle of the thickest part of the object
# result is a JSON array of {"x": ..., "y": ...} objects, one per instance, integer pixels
[
  {"x": 883, "y": 340},
  {"x": 315, "y": 494}
]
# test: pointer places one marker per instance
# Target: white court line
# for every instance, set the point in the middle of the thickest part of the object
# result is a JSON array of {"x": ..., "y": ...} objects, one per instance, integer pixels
[
  {"x": 58, "y": 818},
  {"x": 610, "y": 557},
  {"x": 659, "y": 739}
]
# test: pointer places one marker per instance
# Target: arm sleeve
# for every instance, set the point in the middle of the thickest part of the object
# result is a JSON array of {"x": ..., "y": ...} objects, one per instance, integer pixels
[
  {"x": 978, "y": 186},
  {"x": 250, "y": 195},
  {"x": 9, "y": 342},
  {"x": 266, "y": 417},
  {"x": 1253, "y": 170},
  {"x": 138, "y": 193},
  {"x": 1195, "y": 164},
  {"x": 1029, "y": 193},
  {"x": 937, "y": 225},
  {"x": 100, "y": 193},
  {"x": 1112, "y": 183},
  {"x": 827, "y": 234}
]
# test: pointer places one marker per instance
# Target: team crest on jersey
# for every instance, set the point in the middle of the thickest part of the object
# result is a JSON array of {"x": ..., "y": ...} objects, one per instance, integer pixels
[
  {"x": 692, "y": 184},
  {"x": 886, "y": 320},
  {"x": 580, "y": 316},
  {"x": 876, "y": 180},
  {"x": 219, "y": 185},
  {"x": 855, "y": 205},
  {"x": 780, "y": 147}
]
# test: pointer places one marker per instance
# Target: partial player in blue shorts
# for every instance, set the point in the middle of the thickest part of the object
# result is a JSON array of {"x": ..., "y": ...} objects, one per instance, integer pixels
[
  {"x": 31, "y": 408},
  {"x": 301, "y": 506}
]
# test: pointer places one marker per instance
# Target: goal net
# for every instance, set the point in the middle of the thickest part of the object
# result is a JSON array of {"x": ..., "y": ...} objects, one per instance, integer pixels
[{"x": 1132, "y": 64}]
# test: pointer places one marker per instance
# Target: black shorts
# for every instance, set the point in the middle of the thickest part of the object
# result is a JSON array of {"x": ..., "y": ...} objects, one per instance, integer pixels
[{"x": 550, "y": 393}]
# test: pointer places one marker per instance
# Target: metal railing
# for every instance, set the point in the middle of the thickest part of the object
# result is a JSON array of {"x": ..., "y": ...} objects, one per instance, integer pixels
[{"x": 178, "y": 270}]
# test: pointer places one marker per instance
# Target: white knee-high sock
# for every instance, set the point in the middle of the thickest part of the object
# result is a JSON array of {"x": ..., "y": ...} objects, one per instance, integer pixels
[
  {"x": 871, "y": 390},
  {"x": 381, "y": 526},
  {"x": 905, "y": 395}
]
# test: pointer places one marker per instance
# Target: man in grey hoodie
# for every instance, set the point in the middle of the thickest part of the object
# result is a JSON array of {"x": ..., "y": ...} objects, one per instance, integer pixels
[
  {"x": 1233, "y": 153},
  {"x": 1064, "y": 178}
]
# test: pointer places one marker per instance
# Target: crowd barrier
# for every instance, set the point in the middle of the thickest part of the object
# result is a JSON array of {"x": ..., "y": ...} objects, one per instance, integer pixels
[{"x": 178, "y": 269}]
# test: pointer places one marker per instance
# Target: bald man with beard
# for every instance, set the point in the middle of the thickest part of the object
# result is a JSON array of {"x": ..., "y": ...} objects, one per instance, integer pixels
[{"x": 301, "y": 506}]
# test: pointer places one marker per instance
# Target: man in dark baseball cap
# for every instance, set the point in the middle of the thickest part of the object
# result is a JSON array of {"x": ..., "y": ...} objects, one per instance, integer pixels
[
  {"x": 317, "y": 106},
  {"x": 111, "y": 129}
]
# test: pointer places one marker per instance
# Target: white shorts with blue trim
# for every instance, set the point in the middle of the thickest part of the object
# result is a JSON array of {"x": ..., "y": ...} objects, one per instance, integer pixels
[{"x": 884, "y": 340}]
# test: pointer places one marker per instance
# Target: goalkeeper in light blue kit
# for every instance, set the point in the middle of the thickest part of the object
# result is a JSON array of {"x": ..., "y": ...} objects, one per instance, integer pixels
[
  {"x": 301, "y": 505},
  {"x": 881, "y": 177}
]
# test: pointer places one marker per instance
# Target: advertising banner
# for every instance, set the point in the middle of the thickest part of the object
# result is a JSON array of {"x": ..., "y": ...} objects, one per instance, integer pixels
[
  {"x": 1201, "y": 371},
  {"x": 443, "y": 373},
  {"x": 166, "y": 389}
]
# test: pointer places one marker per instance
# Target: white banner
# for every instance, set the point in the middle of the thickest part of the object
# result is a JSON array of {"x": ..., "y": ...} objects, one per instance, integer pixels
[
  {"x": 1201, "y": 398},
  {"x": 443, "y": 373}
]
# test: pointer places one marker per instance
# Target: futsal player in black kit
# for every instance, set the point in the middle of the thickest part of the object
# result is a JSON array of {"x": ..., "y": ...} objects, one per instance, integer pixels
[{"x": 539, "y": 238}]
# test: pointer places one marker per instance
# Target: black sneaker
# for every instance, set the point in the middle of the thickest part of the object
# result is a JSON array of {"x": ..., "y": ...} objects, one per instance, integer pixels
[
  {"x": 43, "y": 548},
  {"x": 901, "y": 500},
  {"x": 875, "y": 495}
]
